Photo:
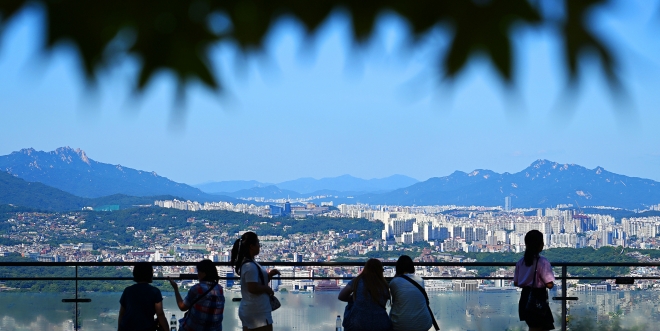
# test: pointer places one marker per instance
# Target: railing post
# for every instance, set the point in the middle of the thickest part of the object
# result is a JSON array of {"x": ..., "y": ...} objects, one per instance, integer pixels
[
  {"x": 564, "y": 294},
  {"x": 75, "y": 327},
  {"x": 76, "y": 300}
]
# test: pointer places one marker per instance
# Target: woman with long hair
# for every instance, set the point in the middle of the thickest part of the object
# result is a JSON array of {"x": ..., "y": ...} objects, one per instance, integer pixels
[
  {"x": 533, "y": 273},
  {"x": 205, "y": 302},
  {"x": 255, "y": 310},
  {"x": 369, "y": 294},
  {"x": 140, "y": 302}
]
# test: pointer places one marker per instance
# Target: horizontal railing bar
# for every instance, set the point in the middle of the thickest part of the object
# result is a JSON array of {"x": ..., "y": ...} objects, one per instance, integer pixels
[
  {"x": 331, "y": 264},
  {"x": 298, "y": 278}
]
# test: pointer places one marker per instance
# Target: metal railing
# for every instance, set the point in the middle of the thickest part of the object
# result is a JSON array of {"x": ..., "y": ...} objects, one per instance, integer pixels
[{"x": 562, "y": 276}]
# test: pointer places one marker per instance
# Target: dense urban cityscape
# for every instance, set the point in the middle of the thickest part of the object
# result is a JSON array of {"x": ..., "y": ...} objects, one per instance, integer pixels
[
  {"x": 482, "y": 229},
  {"x": 187, "y": 231}
]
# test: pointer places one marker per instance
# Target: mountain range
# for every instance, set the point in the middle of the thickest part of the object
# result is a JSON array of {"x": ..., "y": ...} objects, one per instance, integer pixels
[
  {"x": 72, "y": 171},
  {"x": 543, "y": 184},
  {"x": 310, "y": 186},
  {"x": 69, "y": 175}
]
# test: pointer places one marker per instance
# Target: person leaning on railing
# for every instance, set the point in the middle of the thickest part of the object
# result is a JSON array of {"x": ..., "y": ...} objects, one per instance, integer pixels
[
  {"x": 409, "y": 308},
  {"x": 205, "y": 301},
  {"x": 140, "y": 302},
  {"x": 533, "y": 273},
  {"x": 369, "y": 294}
]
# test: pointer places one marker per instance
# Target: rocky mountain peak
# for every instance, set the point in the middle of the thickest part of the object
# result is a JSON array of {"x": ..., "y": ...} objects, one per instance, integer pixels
[{"x": 26, "y": 151}]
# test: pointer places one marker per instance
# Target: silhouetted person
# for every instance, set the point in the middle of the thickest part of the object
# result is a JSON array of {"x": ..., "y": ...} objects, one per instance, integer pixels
[
  {"x": 140, "y": 302},
  {"x": 409, "y": 309},
  {"x": 534, "y": 273},
  {"x": 369, "y": 294},
  {"x": 255, "y": 310},
  {"x": 205, "y": 301}
]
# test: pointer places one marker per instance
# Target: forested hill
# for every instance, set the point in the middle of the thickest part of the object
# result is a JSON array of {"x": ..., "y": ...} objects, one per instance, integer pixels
[
  {"x": 218, "y": 220},
  {"x": 20, "y": 193},
  {"x": 109, "y": 229},
  {"x": 72, "y": 171}
]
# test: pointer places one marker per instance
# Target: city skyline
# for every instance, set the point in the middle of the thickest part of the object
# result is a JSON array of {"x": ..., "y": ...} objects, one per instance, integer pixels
[{"x": 327, "y": 110}]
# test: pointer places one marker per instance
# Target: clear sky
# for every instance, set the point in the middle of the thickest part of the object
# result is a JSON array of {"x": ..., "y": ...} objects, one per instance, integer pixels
[{"x": 329, "y": 110}]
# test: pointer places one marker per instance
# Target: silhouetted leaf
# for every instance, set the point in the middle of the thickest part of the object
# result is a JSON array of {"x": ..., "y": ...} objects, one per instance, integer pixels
[
  {"x": 176, "y": 35},
  {"x": 579, "y": 40},
  {"x": 490, "y": 35}
]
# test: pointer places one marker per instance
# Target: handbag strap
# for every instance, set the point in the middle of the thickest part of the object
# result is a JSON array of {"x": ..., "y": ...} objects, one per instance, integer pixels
[
  {"x": 536, "y": 266},
  {"x": 259, "y": 271},
  {"x": 421, "y": 289},
  {"x": 203, "y": 295}
]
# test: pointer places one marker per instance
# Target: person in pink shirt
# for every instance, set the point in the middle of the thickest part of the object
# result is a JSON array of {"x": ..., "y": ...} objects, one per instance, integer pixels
[{"x": 534, "y": 273}]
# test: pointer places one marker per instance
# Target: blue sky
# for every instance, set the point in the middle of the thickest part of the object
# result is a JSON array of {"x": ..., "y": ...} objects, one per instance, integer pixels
[{"x": 326, "y": 109}]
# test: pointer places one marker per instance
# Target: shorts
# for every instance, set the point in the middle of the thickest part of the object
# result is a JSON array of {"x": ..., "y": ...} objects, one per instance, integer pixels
[{"x": 253, "y": 320}]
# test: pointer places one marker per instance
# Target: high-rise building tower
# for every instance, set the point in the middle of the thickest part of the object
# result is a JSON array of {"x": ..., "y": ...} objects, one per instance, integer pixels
[
  {"x": 507, "y": 203},
  {"x": 287, "y": 208}
]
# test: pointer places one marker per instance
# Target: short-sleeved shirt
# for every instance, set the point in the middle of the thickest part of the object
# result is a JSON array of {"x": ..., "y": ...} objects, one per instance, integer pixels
[
  {"x": 139, "y": 302},
  {"x": 257, "y": 303},
  {"x": 409, "y": 311},
  {"x": 206, "y": 314},
  {"x": 523, "y": 275}
]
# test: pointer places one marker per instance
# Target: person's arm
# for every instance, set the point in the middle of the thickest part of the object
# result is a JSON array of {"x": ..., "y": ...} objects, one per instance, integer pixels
[
  {"x": 272, "y": 273},
  {"x": 393, "y": 287},
  {"x": 547, "y": 275},
  {"x": 515, "y": 276},
  {"x": 179, "y": 300},
  {"x": 346, "y": 294},
  {"x": 160, "y": 314},
  {"x": 121, "y": 314},
  {"x": 256, "y": 288}
]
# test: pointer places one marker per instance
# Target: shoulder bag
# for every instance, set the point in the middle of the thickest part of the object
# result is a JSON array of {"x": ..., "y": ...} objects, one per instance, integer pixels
[
  {"x": 274, "y": 302},
  {"x": 421, "y": 289},
  {"x": 537, "y": 300}
]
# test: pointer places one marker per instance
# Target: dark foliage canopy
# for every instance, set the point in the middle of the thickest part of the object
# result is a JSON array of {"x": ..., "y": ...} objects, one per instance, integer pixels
[{"x": 178, "y": 34}]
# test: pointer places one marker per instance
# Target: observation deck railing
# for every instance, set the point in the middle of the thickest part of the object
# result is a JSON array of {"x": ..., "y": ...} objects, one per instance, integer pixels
[{"x": 561, "y": 277}]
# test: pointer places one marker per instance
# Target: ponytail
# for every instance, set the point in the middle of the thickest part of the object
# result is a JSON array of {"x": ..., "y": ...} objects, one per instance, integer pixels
[{"x": 241, "y": 250}]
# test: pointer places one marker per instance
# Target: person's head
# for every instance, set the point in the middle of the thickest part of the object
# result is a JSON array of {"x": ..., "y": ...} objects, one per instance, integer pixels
[
  {"x": 374, "y": 282},
  {"x": 143, "y": 272},
  {"x": 533, "y": 246},
  {"x": 247, "y": 246},
  {"x": 206, "y": 271},
  {"x": 404, "y": 265}
]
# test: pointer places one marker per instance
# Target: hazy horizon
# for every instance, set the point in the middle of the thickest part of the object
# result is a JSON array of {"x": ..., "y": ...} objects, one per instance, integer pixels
[{"x": 512, "y": 171}]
